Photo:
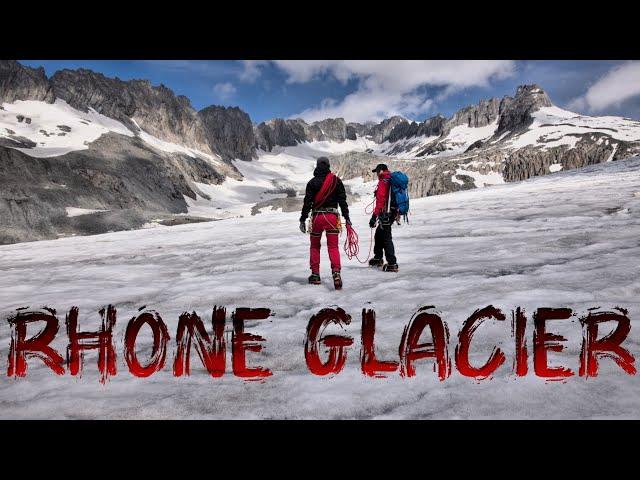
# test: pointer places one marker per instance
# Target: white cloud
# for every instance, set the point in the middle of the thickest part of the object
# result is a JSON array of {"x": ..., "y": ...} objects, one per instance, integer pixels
[
  {"x": 617, "y": 85},
  {"x": 251, "y": 70},
  {"x": 401, "y": 75},
  {"x": 389, "y": 87},
  {"x": 224, "y": 91},
  {"x": 364, "y": 105}
]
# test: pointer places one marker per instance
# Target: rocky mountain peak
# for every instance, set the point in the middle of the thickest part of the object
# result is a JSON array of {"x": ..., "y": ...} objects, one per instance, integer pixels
[
  {"x": 157, "y": 110},
  {"x": 18, "y": 82},
  {"x": 380, "y": 132},
  {"x": 531, "y": 89},
  {"x": 515, "y": 114},
  {"x": 474, "y": 116},
  {"x": 229, "y": 132},
  {"x": 278, "y": 131},
  {"x": 431, "y": 127}
]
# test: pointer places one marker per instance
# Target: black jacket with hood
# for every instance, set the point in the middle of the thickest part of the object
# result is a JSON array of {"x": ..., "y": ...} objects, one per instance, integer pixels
[{"x": 338, "y": 197}]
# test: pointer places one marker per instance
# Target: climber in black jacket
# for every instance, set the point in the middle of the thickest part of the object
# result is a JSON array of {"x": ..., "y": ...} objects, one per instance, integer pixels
[{"x": 325, "y": 191}]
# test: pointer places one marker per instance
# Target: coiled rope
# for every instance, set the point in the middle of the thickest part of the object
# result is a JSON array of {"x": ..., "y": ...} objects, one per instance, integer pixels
[{"x": 352, "y": 246}]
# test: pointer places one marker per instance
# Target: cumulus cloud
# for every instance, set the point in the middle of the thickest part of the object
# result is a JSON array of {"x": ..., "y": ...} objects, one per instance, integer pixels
[
  {"x": 251, "y": 70},
  {"x": 402, "y": 75},
  {"x": 390, "y": 87},
  {"x": 224, "y": 90},
  {"x": 617, "y": 85},
  {"x": 366, "y": 104}
]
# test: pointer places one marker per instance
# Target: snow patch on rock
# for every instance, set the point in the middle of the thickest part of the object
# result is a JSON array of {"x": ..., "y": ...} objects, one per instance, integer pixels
[
  {"x": 76, "y": 212},
  {"x": 55, "y": 128}
]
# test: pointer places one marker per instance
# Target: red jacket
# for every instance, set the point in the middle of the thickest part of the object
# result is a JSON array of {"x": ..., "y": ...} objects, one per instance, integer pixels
[{"x": 382, "y": 192}]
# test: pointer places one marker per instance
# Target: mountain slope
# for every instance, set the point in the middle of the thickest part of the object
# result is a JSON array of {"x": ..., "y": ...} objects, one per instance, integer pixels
[
  {"x": 496, "y": 142},
  {"x": 560, "y": 240}
]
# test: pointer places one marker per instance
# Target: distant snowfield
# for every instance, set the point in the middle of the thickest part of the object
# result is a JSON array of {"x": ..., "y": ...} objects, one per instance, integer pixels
[
  {"x": 458, "y": 140},
  {"x": 282, "y": 168},
  {"x": 47, "y": 126},
  {"x": 551, "y": 127},
  {"x": 555, "y": 127},
  {"x": 480, "y": 180},
  {"x": 568, "y": 239},
  {"x": 462, "y": 137},
  {"x": 412, "y": 146},
  {"x": 57, "y": 129}
]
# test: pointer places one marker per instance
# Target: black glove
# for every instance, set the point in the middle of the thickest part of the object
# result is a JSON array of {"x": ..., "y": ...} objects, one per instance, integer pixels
[
  {"x": 303, "y": 227},
  {"x": 372, "y": 222}
]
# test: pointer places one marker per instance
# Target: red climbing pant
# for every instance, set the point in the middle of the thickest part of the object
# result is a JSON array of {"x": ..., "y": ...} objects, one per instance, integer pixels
[{"x": 324, "y": 222}]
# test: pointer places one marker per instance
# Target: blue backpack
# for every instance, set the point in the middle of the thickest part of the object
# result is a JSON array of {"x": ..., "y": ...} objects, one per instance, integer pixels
[{"x": 400, "y": 193}]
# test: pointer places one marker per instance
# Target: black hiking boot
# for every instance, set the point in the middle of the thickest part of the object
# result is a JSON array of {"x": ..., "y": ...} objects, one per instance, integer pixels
[
  {"x": 390, "y": 267},
  {"x": 376, "y": 262},
  {"x": 314, "y": 279},
  {"x": 337, "y": 280}
]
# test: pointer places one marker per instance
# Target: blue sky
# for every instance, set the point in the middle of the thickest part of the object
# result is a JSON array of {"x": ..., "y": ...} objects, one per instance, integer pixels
[{"x": 372, "y": 90}]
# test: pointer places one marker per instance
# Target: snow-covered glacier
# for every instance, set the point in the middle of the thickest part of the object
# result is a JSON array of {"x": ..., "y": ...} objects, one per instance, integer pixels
[{"x": 569, "y": 239}]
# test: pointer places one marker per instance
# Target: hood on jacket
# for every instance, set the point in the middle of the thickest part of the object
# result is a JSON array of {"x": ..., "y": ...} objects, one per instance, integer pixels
[{"x": 321, "y": 170}]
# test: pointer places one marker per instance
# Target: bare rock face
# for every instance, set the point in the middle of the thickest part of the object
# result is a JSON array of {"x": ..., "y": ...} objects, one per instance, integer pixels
[
  {"x": 360, "y": 129},
  {"x": 381, "y": 131},
  {"x": 484, "y": 113},
  {"x": 279, "y": 132},
  {"x": 431, "y": 127},
  {"x": 18, "y": 82},
  {"x": 515, "y": 114},
  {"x": 532, "y": 162},
  {"x": 137, "y": 104},
  {"x": 157, "y": 110},
  {"x": 290, "y": 132},
  {"x": 122, "y": 175},
  {"x": 229, "y": 132},
  {"x": 331, "y": 129}
]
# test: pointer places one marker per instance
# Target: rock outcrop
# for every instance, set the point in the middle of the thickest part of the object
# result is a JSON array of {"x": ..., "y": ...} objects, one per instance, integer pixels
[
  {"x": 289, "y": 132},
  {"x": 229, "y": 132},
  {"x": 515, "y": 114},
  {"x": 122, "y": 176},
  {"x": 279, "y": 132},
  {"x": 18, "y": 82},
  {"x": 484, "y": 113},
  {"x": 136, "y": 103},
  {"x": 380, "y": 132},
  {"x": 431, "y": 127}
]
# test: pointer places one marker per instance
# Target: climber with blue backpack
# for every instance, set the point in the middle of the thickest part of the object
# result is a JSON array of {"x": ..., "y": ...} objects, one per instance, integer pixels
[{"x": 391, "y": 203}]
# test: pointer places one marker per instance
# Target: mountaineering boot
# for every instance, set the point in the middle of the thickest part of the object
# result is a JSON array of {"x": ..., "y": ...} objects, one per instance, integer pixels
[
  {"x": 376, "y": 262},
  {"x": 390, "y": 267},
  {"x": 314, "y": 279},
  {"x": 337, "y": 280}
]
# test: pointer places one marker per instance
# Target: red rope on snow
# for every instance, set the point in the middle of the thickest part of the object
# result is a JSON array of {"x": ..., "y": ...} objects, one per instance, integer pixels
[{"x": 352, "y": 246}]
